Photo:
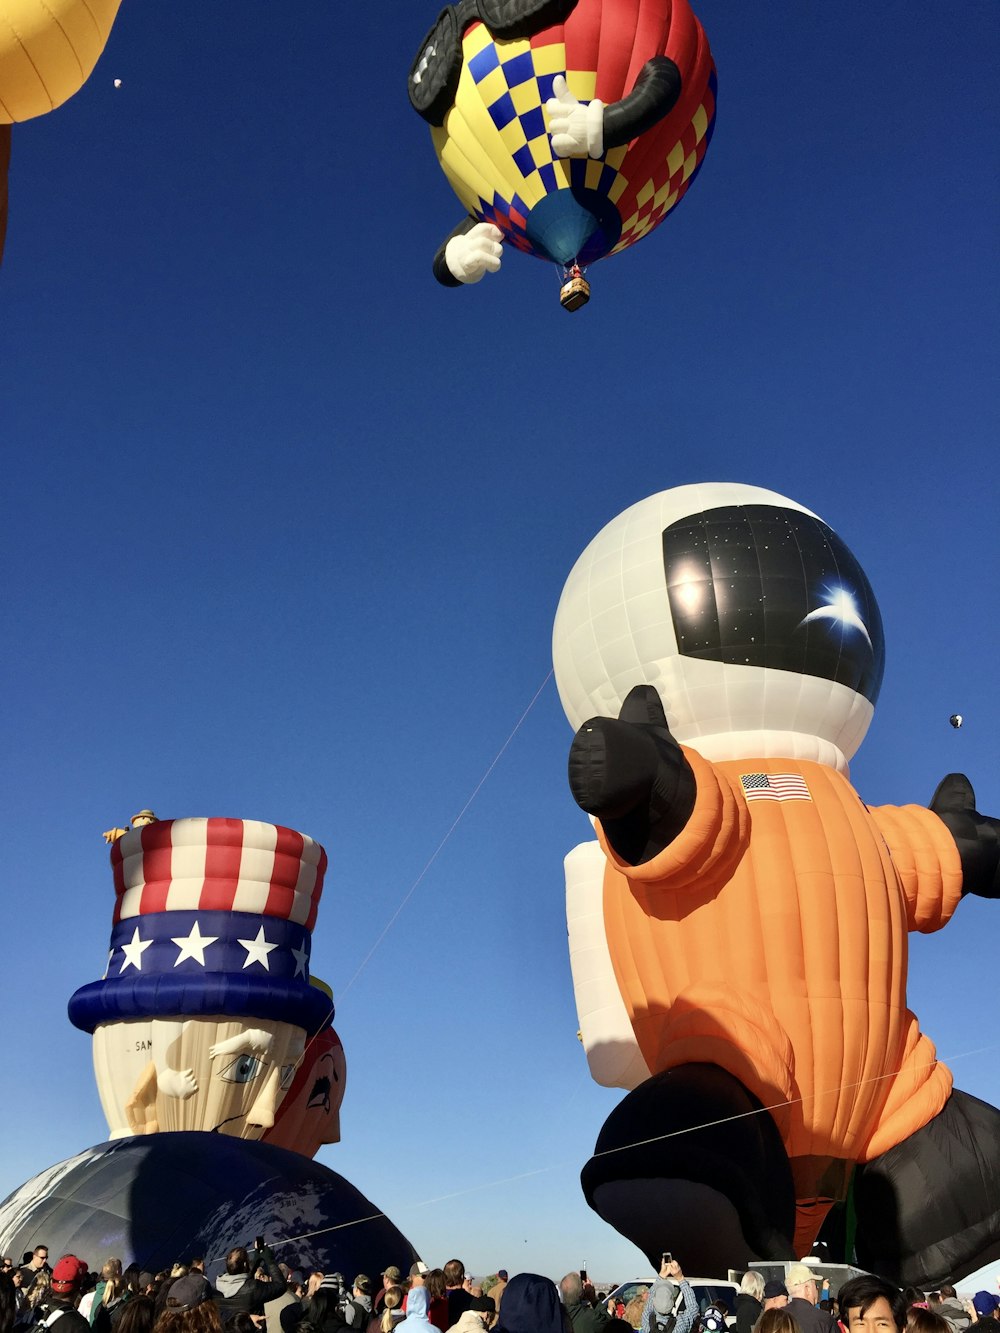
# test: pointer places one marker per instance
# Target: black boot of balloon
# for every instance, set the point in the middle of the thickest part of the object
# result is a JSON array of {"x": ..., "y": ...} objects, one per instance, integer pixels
[
  {"x": 691, "y": 1153},
  {"x": 928, "y": 1210}
]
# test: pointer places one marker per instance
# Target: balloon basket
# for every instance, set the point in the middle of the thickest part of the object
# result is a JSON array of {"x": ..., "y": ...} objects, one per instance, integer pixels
[{"x": 575, "y": 290}]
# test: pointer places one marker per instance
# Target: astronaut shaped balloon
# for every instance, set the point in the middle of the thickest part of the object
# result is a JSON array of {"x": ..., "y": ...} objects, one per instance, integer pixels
[
  {"x": 738, "y": 933},
  {"x": 569, "y": 129},
  {"x": 206, "y": 1018}
]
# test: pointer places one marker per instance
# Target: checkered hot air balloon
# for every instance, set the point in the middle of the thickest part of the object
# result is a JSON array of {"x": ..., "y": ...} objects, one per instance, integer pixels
[{"x": 483, "y": 78}]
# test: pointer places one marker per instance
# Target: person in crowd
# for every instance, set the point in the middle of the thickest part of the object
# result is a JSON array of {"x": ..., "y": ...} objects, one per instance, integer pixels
[
  {"x": 391, "y": 1277},
  {"x": 584, "y": 1317},
  {"x": 201, "y": 1318},
  {"x": 287, "y": 1297},
  {"x": 8, "y": 1303},
  {"x": 437, "y": 1300},
  {"x": 531, "y": 1304},
  {"x": 188, "y": 1292},
  {"x": 775, "y": 1295},
  {"x": 952, "y": 1309},
  {"x": 498, "y": 1287},
  {"x": 803, "y": 1302},
  {"x": 919, "y": 1320},
  {"x": 323, "y": 1313},
  {"x": 39, "y": 1294},
  {"x": 634, "y": 1310},
  {"x": 238, "y": 1289},
  {"x": 22, "y": 1310},
  {"x": 986, "y": 1305},
  {"x": 914, "y": 1296},
  {"x": 777, "y": 1320},
  {"x": 749, "y": 1301},
  {"x": 417, "y": 1307},
  {"x": 111, "y": 1272},
  {"x": 392, "y": 1309},
  {"x": 137, "y": 1315},
  {"x": 671, "y": 1296},
  {"x": 57, "y": 1308},
  {"x": 870, "y": 1304},
  {"x": 459, "y": 1298},
  {"x": 35, "y": 1263},
  {"x": 469, "y": 1322},
  {"x": 358, "y": 1307}
]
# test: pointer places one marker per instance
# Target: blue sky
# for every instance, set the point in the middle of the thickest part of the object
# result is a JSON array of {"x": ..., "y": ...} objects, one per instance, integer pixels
[{"x": 286, "y": 525}]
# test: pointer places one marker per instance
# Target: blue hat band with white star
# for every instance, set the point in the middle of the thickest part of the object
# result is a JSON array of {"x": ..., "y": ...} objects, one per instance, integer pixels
[{"x": 200, "y": 963}]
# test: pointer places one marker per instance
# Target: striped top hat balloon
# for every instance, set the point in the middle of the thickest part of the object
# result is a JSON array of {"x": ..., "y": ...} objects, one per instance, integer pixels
[{"x": 212, "y": 917}]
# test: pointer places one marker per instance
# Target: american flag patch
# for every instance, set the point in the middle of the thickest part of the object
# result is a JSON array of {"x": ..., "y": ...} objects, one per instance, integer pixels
[{"x": 774, "y": 787}]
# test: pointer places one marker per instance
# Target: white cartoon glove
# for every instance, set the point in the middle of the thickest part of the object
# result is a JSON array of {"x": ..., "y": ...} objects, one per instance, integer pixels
[
  {"x": 477, "y": 252},
  {"x": 577, "y": 128}
]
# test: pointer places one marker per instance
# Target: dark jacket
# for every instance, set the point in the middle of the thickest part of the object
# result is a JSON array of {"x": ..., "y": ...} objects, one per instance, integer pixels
[
  {"x": 587, "y": 1318},
  {"x": 748, "y": 1311},
  {"x": 238, "y": 1292},
  {"x": 61, "y": 1317},
  {"x": 810, "y": 1318}
]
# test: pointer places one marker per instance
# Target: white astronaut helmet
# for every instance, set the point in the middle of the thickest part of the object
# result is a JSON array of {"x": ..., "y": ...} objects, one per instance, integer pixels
[{"x": 745, "y": 611}]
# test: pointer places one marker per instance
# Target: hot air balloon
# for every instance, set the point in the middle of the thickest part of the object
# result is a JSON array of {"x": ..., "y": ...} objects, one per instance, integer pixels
[
  {"x": 956, "y": 720},
  {"x": 568, "y": 128},
  {"x": 738, "y": 932},
  {"x": 47, "y": 53},
  {"x": 217, "y": 1066}
]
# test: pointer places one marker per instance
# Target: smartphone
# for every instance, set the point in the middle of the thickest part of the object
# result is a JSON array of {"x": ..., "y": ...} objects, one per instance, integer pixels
[
  {"x": 259, "y": 1242},
  {"x": 668, "y": 1258},
  {"x": 583, "y": 1273}
]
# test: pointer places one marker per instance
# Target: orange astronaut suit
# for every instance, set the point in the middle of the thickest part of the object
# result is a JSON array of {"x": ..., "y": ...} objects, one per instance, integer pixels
[{"x": 769, "y": 938}]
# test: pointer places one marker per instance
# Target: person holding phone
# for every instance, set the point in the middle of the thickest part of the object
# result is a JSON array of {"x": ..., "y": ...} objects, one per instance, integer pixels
[
  {"x": 238, "y": 1287},
  {"x": 672, "y": 1306}
]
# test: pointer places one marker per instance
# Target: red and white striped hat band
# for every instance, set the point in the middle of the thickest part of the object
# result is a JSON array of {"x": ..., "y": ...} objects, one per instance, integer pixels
[{"x": 237, "y": 865}]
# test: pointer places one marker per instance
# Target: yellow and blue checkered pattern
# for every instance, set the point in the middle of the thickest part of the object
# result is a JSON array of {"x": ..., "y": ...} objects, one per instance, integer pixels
[{"x": 496, "y": 152}]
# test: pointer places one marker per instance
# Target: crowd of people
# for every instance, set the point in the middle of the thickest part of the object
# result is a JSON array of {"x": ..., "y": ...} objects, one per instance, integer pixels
[{"x": 255, "y": 1294}]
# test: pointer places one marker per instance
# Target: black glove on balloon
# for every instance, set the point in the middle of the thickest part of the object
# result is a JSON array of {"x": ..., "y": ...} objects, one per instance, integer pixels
[
  {"x": 977, "y": 836},
  {"x": 633, "y": 776}
]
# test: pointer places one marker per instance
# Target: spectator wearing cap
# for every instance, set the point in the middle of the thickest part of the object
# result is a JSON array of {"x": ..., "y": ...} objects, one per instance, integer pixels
[
  {"x": 987, "y": 1308},
  {"x": 749, "y": 1298},
  {"x": 391, "y": 1277},
  {"x": 358, "y": 1309},
  {"x": 418, "y": 1277},
  {"x": 669, "y": 1287},
  {"x": 498, "y": 1288},
  {"x": 775, "y": 1295},
  {"x": 58, "y": 1309},
  {"x": 238, "y": 1288},
  {"x": 188, "y": 1292},
  {"x": 803, "y": 1293}
]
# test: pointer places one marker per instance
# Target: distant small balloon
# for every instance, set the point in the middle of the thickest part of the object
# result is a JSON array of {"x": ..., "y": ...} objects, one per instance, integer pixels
[
  {"x": 956, "y": 720},
  {"x": 118, "y": 83}
]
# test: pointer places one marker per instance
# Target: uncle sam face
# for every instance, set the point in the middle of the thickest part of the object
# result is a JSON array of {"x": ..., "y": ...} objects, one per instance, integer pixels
[{"x": 223, "y": 1075}]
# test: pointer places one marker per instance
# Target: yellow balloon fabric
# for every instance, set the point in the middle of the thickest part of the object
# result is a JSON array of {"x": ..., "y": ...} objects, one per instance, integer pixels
[{"x": 48, "y": 49}]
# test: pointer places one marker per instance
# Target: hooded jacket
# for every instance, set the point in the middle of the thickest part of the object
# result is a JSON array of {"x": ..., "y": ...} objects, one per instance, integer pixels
[
  {"x": 748, "y": 1311},
  {"x": 417, "y": 1305},
  {"x": 955, "y": 1313},
  {"x": 239, "y": 1292}
]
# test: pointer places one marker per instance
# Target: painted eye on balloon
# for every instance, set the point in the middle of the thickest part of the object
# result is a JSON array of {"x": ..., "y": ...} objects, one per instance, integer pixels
[
  {"x": 243, "y": 1069},
  {"x": 287, "y": 1075}
]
